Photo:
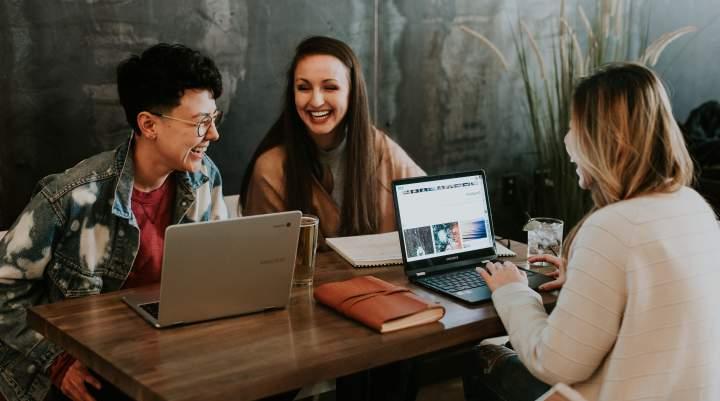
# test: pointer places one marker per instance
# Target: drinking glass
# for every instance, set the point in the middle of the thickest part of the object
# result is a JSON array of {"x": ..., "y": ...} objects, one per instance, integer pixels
[
  {"x": 545, "y": 235},
  {"x": 306, "y": 251}
]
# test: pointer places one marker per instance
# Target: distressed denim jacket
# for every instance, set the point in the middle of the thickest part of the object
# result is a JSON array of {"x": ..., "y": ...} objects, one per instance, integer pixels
[{"x": 77, "y": 237}]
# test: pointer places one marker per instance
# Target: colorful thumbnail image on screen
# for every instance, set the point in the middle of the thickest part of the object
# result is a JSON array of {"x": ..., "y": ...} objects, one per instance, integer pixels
[
  {"x": 418, "y": 242},
  {"x": 446, "y": 237},
  {"x": 473, "y": 233}
]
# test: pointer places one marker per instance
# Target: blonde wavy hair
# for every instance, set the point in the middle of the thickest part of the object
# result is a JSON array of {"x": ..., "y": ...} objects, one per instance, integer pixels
[{"x": 626, "y": 139}]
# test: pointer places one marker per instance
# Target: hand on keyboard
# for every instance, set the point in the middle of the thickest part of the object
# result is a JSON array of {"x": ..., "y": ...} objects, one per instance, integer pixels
[{"x": 498, "y": 274}]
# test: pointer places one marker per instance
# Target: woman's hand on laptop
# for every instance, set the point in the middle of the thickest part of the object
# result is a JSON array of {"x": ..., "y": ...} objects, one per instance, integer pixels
[
  {"x": 558, "y": 274},
  {"x": 497, "y": 275}
]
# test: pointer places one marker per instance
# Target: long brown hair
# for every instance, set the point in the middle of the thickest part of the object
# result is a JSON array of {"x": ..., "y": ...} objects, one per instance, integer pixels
[
  {"x": 359, "y": 209},
  {"x": 626, "y": 139}
]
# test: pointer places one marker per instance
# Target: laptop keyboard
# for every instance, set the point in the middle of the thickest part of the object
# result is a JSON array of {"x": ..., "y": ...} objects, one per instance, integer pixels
[
  {"x": 153, "y": 308},
  {"x": 455, "y": 281}
]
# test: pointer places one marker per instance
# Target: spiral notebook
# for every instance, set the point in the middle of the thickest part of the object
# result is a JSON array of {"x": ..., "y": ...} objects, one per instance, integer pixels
[{"x": 380, "y": 249}]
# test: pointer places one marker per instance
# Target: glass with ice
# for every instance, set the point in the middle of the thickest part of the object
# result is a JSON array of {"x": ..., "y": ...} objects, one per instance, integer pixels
[{"x": 545, "y": 236}]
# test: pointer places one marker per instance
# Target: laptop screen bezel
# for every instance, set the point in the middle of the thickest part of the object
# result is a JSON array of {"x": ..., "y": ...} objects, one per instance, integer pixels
[{"x": 437, "y": 262}]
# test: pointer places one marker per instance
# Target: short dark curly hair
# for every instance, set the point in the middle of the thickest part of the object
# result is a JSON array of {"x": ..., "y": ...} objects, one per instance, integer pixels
[{"x": 158, "y": 78}]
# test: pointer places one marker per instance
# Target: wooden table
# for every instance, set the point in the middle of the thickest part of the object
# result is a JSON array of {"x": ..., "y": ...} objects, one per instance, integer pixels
[{"x": 253, "y": 356}]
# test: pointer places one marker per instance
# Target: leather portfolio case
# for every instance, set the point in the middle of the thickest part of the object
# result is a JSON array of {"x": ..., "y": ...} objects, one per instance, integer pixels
[{"x": 378, "y": 304}]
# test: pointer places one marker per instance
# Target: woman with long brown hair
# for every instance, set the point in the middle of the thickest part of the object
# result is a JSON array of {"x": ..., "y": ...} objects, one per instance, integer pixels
[
  {"x": 637, "y": 316},
  {"x": 323, "y": 155}
]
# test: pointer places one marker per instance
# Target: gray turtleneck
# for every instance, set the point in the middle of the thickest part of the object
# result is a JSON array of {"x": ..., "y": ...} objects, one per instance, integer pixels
[{"x": 334, "y": 160}]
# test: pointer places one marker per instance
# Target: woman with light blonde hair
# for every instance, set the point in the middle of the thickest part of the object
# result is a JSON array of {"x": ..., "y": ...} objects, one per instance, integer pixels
[{"x": 638, "y": 315}]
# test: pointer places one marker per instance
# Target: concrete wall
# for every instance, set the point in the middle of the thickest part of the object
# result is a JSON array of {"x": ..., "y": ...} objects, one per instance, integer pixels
[
  {"x": 440, "y": 93},
  {"x": 689, "y": 66}
]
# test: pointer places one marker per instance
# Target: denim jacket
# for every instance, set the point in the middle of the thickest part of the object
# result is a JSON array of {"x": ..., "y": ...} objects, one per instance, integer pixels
[{"x": 77, "y": 237}]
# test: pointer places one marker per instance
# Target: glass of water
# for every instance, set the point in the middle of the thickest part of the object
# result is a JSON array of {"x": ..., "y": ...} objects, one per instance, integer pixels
[
  {"x": 545, "y": 236},
  {"x": 306, "y": 251}
]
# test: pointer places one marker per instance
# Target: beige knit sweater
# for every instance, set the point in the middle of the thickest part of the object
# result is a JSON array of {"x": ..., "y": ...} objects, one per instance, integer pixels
[{"x": 639, "y": 315}]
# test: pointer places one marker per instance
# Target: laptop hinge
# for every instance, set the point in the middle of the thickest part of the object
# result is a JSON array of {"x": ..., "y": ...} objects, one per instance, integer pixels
[{"x": 461, "y": 264}]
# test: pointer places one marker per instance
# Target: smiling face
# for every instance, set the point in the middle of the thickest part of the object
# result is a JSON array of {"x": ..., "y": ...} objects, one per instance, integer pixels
[
  {"x": 322, "y": 92},
  {"x": 178, "y": 145},
  {"x": 571, "y": 147}
]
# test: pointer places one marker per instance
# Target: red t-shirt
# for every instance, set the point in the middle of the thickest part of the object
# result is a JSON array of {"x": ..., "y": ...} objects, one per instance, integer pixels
[{"x": 153, "y": 212}]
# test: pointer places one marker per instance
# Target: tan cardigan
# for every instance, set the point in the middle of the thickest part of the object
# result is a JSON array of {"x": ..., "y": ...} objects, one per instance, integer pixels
[{"x": 266, "y": 190}]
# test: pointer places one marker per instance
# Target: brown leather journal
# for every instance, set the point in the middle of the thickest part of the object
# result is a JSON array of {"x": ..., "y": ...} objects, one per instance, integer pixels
[{"x": 378, "y": 304}]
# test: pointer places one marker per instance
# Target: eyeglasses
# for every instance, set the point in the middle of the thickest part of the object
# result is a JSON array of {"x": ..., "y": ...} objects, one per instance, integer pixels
[{"x": 203, "y": 125}]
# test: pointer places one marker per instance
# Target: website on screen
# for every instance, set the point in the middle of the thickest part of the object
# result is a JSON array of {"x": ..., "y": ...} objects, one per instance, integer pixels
[{"x": 443, "y": 217}]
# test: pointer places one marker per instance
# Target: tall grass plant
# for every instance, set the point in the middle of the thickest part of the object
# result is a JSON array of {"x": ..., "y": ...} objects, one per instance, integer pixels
[{"x": 548, "y": 81}]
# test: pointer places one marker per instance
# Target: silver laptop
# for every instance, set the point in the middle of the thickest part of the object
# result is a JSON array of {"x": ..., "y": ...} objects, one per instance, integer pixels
[{"x": 223, "y": 268}]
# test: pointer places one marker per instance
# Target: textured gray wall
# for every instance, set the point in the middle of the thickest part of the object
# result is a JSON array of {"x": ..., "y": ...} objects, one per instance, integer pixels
[
  {"x": 446, "y": 98},
  {"x": 689, "y": 66},
  {"x": 440, "y": 93},
  {"x": 57, "y": 74}
]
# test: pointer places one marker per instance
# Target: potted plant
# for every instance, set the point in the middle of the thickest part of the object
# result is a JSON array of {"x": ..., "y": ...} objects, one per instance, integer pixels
[{"x": 548, "y": 83}]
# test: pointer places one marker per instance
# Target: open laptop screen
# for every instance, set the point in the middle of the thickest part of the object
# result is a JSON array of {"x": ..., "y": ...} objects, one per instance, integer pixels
[{"x": 444, "y": 218}]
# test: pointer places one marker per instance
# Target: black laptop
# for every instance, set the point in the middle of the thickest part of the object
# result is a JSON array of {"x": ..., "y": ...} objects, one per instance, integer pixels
[{"x": 446, "y": 231}]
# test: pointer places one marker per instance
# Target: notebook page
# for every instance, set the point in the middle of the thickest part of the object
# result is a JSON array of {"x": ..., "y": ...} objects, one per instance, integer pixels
[
  {"x": 368, "y": 250},
  {"x": 503, "y": 251},
  {"x": 381, "y": 249}
]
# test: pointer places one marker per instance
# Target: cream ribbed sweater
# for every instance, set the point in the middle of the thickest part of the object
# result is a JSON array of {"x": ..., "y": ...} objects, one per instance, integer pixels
[{"x": 639, "y": 315}]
